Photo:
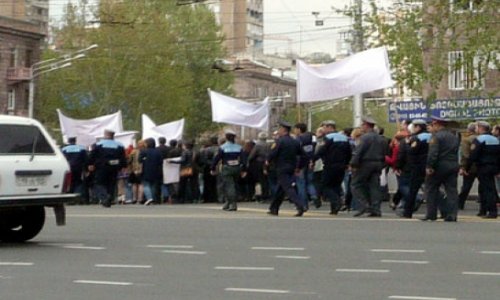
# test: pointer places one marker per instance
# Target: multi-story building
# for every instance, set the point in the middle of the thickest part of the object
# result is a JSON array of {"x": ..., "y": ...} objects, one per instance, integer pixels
[
  {"x": 242, "y": 23},
  {"x": 23, "y": 27},
  {"x": 469, "y": 74}
]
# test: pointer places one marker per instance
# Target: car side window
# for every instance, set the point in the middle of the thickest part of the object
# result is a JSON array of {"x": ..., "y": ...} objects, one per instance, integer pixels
[{"x": 23, "y": 140}]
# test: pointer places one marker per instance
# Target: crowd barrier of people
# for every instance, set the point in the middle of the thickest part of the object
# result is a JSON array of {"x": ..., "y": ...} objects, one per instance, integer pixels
[{"x": 345, "y": 168}]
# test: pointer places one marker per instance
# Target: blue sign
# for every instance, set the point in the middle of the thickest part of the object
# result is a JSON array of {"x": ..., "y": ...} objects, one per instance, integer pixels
[{"x": 459, "y": 109}]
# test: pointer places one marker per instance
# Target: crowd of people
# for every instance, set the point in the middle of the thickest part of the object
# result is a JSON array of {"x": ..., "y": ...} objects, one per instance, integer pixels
[{"x": 345, "y": 168}]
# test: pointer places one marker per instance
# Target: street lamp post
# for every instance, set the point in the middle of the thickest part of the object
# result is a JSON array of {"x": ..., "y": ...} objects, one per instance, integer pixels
[{"x": 50, "y": 65}]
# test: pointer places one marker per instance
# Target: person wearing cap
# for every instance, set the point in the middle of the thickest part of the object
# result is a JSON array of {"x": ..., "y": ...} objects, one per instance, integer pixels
[
  {"x": 465, "y": 149},
  {"x": 367, "y": 163},
  {"x": 286, "y": 153},
  {"x": 442, "y": 170},
  {"x": 106, "y": 160},
  {"x": 230, "y": 155},
  {"x": 485, "y": 153},
  {"x": 417, "y": 157},
  {"x": 76, "y": 155},
  {"x": 304, "y": 180},
  {"x": 335, "y": 154},
  {"x": 256, "y": 161}
]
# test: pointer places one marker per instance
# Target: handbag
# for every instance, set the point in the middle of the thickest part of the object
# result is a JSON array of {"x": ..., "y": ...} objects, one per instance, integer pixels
[{"x": 187, "y": 171}]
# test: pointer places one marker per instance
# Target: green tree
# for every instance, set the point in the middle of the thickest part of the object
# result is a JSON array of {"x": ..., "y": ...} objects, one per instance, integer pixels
[{"x": 154, "y": 57}]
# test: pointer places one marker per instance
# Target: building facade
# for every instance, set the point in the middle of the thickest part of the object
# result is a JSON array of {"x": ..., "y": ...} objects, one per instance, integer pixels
[
  {"x": 20, "y": 43},
  {"x": 242, "y": 23}
]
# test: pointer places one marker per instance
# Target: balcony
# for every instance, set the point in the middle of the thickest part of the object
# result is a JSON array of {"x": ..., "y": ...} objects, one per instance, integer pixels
[{"x": 18, "y": 74}]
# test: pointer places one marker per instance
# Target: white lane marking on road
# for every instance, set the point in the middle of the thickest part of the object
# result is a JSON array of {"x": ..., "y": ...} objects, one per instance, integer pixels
[
  {"x": 123, "y": 266},
  {"x": 244, "y": 268},
  {"x": 292, "y": 257},
  {"x": 420, "y": 298},
  {"x": 482, "y": 273},
  {"x": 362, "y": 270},
  {"x": 395, "y": 261},
  {"x": 84, "y": 247},
  {"x": 278, "y": 248},
  {"x": 8, "y": 263},
  {"x": 184, "y": 252},
  {"x": 5, "y": 277},
  {"x": 61, "y": 244},
  {"x": 257, "y": 291},
  {"x": 489, "y": 252},
  {"x": 103, "y": 282},
  {"x": 398, "y": 250},
  {"x": 171, "y": 246}
]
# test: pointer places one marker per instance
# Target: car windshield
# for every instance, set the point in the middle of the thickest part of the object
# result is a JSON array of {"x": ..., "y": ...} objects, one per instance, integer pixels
[{"x": 24, "y": 140}]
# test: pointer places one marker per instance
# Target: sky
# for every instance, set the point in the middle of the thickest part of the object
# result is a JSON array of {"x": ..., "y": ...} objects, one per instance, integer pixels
[{"x": 289, "y": 25}]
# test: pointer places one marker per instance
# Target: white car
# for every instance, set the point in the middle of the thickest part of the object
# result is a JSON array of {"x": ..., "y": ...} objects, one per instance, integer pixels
[{"x": 33, "y": 174}]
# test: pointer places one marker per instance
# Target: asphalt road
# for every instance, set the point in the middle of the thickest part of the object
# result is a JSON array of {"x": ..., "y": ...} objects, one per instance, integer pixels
[{"x": 200, "y": 252}]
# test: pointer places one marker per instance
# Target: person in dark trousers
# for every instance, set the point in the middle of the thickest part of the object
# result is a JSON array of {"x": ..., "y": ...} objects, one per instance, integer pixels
[
  {"x": 335, "y": 154},
  {"x": 442, "y": 169},
  {"x": 286, "y": 154},
  {"x": 173, "y": 188},
  {"x": 106, "y": 160},
  {"x": 163, "y": 188},
  {"x": 304, "y": 180},
  {"x": 207, "y": 155},
  {"x": 77, "y": 158},
  {"x": 468, "y": 180},
  {"x": 485, "y": 153},
  {"x": 417, "y": 158},
  {"x": 367, "y": 163},
  {"x": 152, "y": 171},
  {"x": 232, "y": 166},
  {"x": 256, "y": 161},
  {"x": 189, "y": 190}
]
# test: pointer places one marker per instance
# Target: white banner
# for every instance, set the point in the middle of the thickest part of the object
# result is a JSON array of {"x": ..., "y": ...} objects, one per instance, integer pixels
[
  {"x": 360, "y": 73},
  {"x": 170, "y": 131},
  {"x": 233, "y": 111},
  {"x": 171, "y": 171},
  {"x": 87, "y": 131}
]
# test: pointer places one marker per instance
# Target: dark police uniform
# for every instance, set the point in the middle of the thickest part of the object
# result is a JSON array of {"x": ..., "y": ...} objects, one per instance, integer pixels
[
  {"x": 108, "y": 157},
  {"x": 335, "y": 154},
  {"x": 286, "y": 154},
  {"x": 443, "y": 159},
  {"x": 368, "y": 161},
  {"x": 76, "y": 155},
  {"x": 486, "y": 154},
  {"x": 417, "y": 158},
  {"x": 230, "y": 154}
]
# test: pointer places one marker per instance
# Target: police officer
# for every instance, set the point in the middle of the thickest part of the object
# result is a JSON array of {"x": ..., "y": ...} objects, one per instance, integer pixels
[
  {"x": 367, "y": 164},
  {"x": 106, "y": 160},
  {"x": 257, "y": 159},
  {"x": 286, "y": 154},
  {"x": 417, "y": 158},
  {"x": 442, "y": 169},
  {"x": 485, "y": 152},
  {"x": 230, "y": 155},
  {"x": 335, "y": 154},
  {"x": 76, "y": 155}
]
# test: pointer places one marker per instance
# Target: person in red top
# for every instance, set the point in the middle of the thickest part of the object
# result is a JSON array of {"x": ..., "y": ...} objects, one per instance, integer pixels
[{"x": 392, "y": 161}]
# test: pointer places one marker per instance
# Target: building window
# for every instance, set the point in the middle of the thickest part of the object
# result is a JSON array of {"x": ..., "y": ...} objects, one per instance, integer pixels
[
  {"x": 464, "y": 72},
  {"x": 13, "y": 58},
  {"x": 28, "y": 61},
  {"x": 465, "y": 5},
  {"x": 11, "y": 100}
]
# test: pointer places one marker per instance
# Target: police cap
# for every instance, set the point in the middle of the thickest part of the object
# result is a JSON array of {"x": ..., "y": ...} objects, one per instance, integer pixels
[
  {"x": 262, "y": 136},
  {"x": 285, "y": 124},
  {"x": 419, "y": 122},
  {"x": 229, "y": 132},
  {"x": 369, "y": 120},
  {"x": 328, "y": 122},
  {"x": 440, "y": 120}
]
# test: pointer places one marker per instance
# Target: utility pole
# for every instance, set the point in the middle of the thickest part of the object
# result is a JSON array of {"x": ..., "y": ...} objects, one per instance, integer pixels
[{"x": 358, "y": 47}]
